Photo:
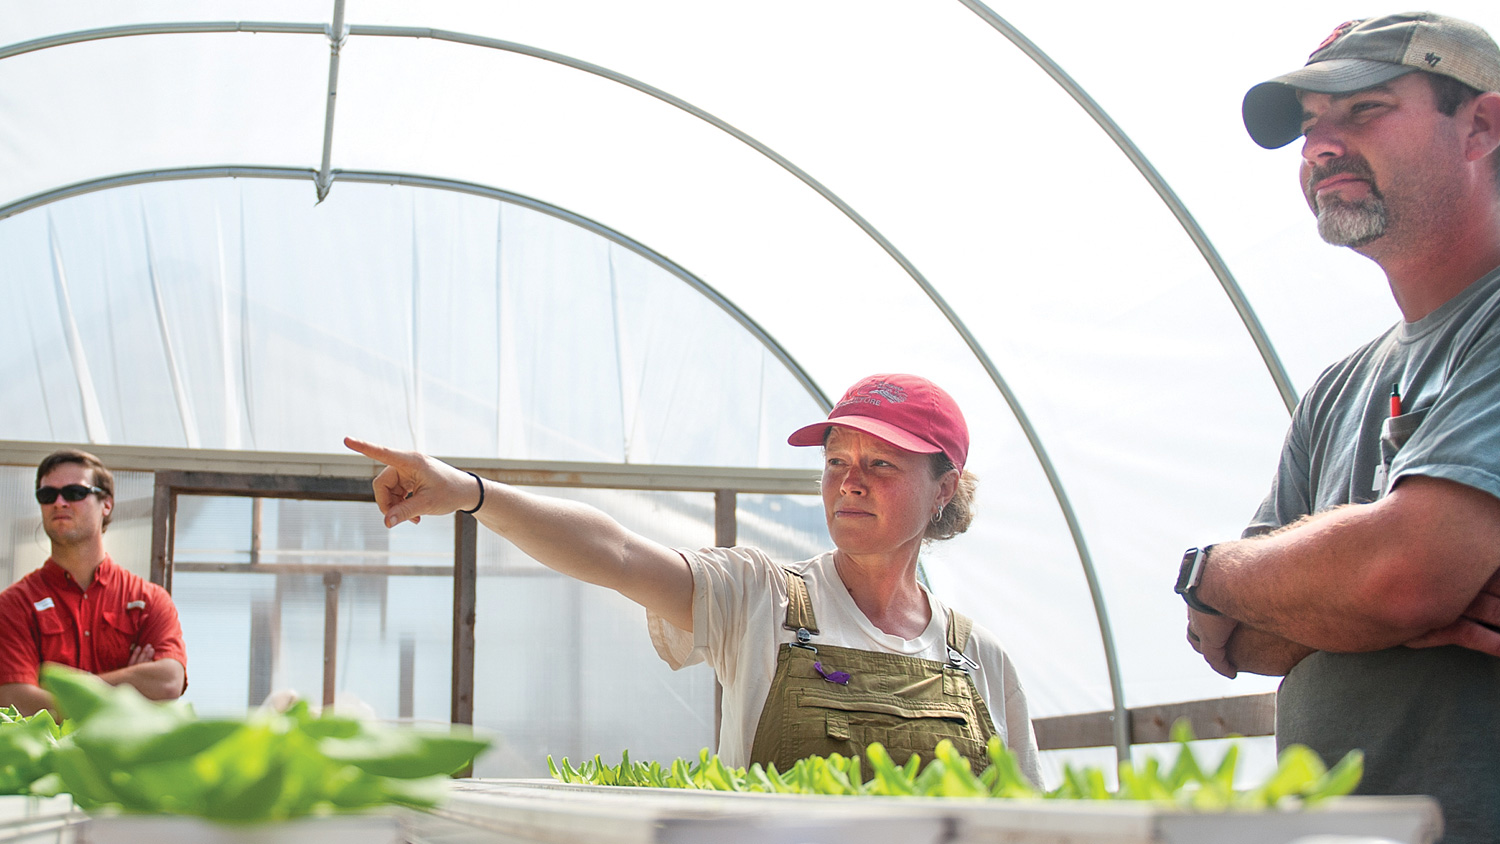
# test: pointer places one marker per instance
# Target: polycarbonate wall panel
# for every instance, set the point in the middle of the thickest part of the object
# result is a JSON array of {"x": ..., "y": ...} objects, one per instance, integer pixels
[
  {"x": 24, "y": 545},
  {"x": 249, "y": 634},
  {"x": 568, "y": 669},
  {"x": 787, "y": 527}
]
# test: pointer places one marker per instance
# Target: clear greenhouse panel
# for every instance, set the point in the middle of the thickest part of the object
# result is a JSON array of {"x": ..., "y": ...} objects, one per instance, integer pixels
[{"x": 191, "y": 314}]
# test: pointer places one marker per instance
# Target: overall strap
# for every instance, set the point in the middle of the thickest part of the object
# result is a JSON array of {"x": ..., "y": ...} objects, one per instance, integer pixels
[
  {"x": 959, "y": 626},
  {"x": 799, "y": 611}
]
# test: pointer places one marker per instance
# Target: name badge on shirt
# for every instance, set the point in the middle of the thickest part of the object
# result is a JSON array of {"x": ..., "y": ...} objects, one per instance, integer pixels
[
  {"x": 136, "y": 605},
  {"x": 43, "y": 604}
]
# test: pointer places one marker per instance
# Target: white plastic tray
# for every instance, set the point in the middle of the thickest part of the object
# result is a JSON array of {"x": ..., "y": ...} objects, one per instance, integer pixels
[
  {"x": 163, "y": 829},
  {"x": 547, "y": 811}
]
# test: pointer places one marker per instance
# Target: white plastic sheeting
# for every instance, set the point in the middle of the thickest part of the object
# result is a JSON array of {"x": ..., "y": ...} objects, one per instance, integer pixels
[
  {"x": 1105, "y": 322},
  {"x": 234, "y": 314}
]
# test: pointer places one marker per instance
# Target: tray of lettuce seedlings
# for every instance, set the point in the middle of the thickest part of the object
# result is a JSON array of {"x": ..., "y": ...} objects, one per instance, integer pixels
[
  {"x": 1300, "y": 779},
  {"x": 25, "y": 742},
  {"x": 1180, "y": 801},
  {"x": 147, "y": 771}
]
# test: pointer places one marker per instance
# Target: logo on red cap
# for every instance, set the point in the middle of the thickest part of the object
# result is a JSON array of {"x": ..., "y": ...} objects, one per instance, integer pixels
[{"x": 874, "y": 393}]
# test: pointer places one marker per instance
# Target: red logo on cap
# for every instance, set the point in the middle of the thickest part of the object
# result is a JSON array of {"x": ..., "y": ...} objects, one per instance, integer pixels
[
  {"x": 1338, "y": 32},
  {"x": 874, "y": 393}
]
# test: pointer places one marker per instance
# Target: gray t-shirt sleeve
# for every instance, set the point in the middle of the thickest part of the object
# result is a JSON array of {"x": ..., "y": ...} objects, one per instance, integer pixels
[
  {"x": 1289, "y": 498},
  {"x": 1458, "y": 435},
  {"x": 1344, "y": 447}
]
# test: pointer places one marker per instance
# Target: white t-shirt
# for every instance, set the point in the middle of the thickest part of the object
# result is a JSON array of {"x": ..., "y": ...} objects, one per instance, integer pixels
[{"x": 739, "y": 604}]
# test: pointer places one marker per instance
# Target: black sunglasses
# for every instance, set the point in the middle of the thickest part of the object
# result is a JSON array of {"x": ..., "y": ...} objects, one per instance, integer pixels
[{"x": 71, "y": 492}]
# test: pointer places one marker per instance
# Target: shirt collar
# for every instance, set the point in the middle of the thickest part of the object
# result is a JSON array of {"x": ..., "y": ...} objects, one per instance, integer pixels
[{"x": 58, "y": 577}]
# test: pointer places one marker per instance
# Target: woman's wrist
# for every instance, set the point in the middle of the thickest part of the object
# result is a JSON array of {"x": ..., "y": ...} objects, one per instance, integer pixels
[{"x": 480, "y": 481}]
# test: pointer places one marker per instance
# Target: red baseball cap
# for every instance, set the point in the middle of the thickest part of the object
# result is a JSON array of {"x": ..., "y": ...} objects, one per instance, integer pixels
[{"x": 906, "y": 411}]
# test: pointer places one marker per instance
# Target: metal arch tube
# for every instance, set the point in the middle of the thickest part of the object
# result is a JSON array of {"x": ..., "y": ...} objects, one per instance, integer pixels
[
  {"x": 491, "y": 43},
  {"x": 1121, "y": 728},
  {"x": 127, "y": 31},
  {"x": 703, "y": 288},
  {"x": 140, "y": 177},
  {"x": 1205, "y": 248},
  {"x": 337, "y": 33},
  {"x": 1121, "y": 714},
  {"x": 473, "y": 189},
  {"x": 674, "y": 101},
  {"x": 1168, "y": 196},
  {"x": 556, "y": 58}
]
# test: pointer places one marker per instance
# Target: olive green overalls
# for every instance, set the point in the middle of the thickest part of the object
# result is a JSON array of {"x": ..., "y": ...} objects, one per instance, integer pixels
[{"x": 826, "y": 699}]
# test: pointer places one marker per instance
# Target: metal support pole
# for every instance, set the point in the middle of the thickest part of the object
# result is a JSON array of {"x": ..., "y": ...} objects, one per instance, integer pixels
[
  {"x": 726, "y": 535},
  {"x": 338, "y": 32}
]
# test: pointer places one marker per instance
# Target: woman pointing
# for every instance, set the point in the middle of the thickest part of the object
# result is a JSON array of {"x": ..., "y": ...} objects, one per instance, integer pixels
[{"x": 816, "y": 657}]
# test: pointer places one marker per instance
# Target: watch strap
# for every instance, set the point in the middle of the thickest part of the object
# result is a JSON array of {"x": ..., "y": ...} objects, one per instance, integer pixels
[{"x": 1189, "y": 577}]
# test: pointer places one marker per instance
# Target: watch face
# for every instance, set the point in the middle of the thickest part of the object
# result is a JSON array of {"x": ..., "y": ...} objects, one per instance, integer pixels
[{"x": 1185, "y": 570}]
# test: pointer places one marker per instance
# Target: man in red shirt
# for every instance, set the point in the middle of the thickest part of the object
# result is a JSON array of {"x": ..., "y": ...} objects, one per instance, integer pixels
[{"x": 80, "y": 609}]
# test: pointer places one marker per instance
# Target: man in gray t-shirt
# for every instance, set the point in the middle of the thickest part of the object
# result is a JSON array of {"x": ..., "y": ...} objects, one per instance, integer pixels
[{"x": 1369, "y": 575}]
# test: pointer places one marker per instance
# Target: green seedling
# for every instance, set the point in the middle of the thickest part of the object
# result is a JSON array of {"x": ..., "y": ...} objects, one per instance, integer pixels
[
  {"x": 1299, "y": 780},
  {"x": 118, "y": 751}
]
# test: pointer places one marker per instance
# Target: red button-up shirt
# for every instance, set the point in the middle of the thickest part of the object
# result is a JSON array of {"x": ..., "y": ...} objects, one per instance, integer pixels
[{"x": 46, "y": 617}]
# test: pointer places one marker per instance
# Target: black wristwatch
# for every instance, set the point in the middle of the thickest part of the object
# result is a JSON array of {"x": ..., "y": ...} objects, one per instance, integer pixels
[{"x": 1188, "y": 576}]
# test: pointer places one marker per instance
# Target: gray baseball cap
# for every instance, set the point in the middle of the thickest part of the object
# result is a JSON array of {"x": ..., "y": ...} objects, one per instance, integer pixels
[{"x": 1364, "y": 53}]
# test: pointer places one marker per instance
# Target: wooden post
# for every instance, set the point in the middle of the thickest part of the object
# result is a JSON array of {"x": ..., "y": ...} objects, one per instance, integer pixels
[{"x": 331, "y": 581}]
